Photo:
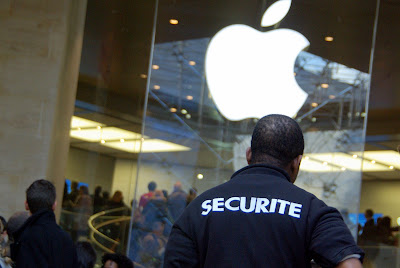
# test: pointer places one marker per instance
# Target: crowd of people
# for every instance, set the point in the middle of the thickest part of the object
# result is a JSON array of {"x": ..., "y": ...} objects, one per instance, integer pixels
[
  {"x": 377, "y": 233},
  {"x": 25, "y": 236},
  {"x": 153, "y": 218},
  {"x": 79, "y": 205},
  {"x": 32, "y": 238},
  {"x": 258, "y": 218},
  {"x": 152, "y": 222}
]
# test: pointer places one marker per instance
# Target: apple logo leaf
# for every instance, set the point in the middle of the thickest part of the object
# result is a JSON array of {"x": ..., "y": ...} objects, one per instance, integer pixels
[{"x": 275, "y": 13}]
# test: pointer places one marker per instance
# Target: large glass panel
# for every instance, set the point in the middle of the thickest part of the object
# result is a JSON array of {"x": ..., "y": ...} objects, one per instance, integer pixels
[
  {"x": 209, "y": 85},
  {"x": 107, "y": 123}
]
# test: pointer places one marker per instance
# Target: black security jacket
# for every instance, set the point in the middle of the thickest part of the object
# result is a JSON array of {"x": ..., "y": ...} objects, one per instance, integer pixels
[
  {"x": 258, "y": 219},
  {"x": 40, "y": 242}
]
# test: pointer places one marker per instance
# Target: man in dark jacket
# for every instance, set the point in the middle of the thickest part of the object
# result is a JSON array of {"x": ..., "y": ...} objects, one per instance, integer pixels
[
  {"x": 259, "y": 218},
  {"x": 177, "y": 201},
  {"x": 40, "y": 242}
]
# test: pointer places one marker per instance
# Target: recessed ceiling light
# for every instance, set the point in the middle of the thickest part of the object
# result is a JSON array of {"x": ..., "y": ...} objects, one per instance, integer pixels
[
  {"x": 103, "y": 141},
  {"x": 328, "y": 38},
  {"x": 324, "y": 85},
  {"x": 355, "y": 156},
  {"x": 200, "y": 176},
  {"x": 363, "y": 114},
  {"x": 391, "y": 167},
  {"x": 183, "y": 111},
  {"x": 155, "y": 67},
  {"x": 314, "y": 104},
  {"x": 189, "y": 97},
  {"x": 193, "y": 63},
  {"x": 314, "y": 119},
  {"x": 332, "y": 97},
  {"x": 157, "y": 87},
  {"x": 143, "y": 76},
  {"x": 79, "y": 128},
  {"x": 173, "y": 21},
  {"x": 338, "y": 160},
  {"x": 173, "y": 109},
  {"x": 188, "y": 116},
  {"x": 98, "y": 127},
  {"x": 122, "y": 140},
  {"x": 373, "y": 161}
]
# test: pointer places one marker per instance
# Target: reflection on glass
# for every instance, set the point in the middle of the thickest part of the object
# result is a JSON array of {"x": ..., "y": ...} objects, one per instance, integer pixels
[{"x": 140, "y": 175}]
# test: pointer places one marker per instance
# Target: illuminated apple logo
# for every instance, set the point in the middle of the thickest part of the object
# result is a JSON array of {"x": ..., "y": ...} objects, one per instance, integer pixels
[{"x": 251, "y": 73}]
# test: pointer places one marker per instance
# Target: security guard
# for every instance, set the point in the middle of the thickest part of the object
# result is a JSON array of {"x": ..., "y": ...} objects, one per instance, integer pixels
[{"x": 259, "y": 218}]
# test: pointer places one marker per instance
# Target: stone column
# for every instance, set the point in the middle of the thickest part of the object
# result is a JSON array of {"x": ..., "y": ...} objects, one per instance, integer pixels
[{"x": 40, "y": 49}]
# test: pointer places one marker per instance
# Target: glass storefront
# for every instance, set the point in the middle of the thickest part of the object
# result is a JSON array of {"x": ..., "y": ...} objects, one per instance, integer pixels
[{"x": 169, "y": 93}]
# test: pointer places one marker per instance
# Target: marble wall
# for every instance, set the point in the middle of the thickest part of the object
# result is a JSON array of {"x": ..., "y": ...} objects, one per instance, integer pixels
[{"x": 40, "y": 48}]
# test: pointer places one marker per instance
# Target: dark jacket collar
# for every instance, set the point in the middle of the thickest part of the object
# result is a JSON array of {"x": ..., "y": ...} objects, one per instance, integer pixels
[
  {"x": 262, "y": 169},
  {"x": 41, "y": 216}
]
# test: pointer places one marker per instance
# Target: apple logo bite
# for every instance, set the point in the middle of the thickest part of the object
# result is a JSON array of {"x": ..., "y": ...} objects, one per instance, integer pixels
[{"x": 251, "y": 73}]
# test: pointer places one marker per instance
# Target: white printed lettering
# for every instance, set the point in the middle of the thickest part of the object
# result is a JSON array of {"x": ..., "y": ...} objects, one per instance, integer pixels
[
  {"x": 261, "y": 204},
  {"x": 272, "y": 207},
  {"x": 256, "y": 204},
  {"x": 206, "y": 206},
  {"x": 295, "y": 208},
  {"x": 282, "y": 207},
  {"x": 228, "y": 203},
  {"x": 243, "y": 204},
  {"x": 218, "y": 204}
]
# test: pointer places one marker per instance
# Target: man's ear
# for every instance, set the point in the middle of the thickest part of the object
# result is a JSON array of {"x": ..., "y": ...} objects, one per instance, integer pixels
[
  {"x": 53, "y": 207},
  {"x": 295, "y": 167},
  {"x": 248, "y": 155},
  {"x": 26, "y": 205}
]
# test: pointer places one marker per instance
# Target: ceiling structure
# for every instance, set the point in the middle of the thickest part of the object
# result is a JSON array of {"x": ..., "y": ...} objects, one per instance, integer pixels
[{"x": 120, "y": 94}]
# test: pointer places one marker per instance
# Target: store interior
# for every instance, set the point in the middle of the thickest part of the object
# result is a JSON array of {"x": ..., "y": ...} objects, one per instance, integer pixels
[{"x": 143, "y": 111}]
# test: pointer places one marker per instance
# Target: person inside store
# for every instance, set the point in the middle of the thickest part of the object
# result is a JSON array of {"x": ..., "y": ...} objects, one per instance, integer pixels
[
  {"x": 153, "y": 246},
  {"x": 115, "y": 260},
  {"x": 117, "y": 229},
  {"x": 40, "y": 242},
  {"x": 385, "y": 232},
  {"x": 369, "y": 235},
  {"x": 86, "y": 255},
  {"x": 98, "y": 200},
  {"x": 145, "y": 198},
  {"x": 177, "y": 201},
  {"x": 83, "y": 208},
  {"x": 260, "y": 218},
  {"x": 73, "y": 195},
  {"x": 191, "y": 196}
]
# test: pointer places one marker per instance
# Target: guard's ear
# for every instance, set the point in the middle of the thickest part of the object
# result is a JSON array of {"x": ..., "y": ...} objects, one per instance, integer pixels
[
  {"x": 248, "y": 155},
  {"x": 53, "y": 207},
  {"x": 295, "y": 167},
  {"x": 26, "y": 205}
]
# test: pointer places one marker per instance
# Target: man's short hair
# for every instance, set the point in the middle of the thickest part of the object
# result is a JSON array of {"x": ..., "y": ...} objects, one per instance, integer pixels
[
  {"x": 122, "y": 260},
  {"x": 369, "y": 213},
  {"x": 41, "y": 194},
  {"x": 152, "y": 186},
  {"x": 277, "y": 140},
  {"x": 86, "y": 255}
]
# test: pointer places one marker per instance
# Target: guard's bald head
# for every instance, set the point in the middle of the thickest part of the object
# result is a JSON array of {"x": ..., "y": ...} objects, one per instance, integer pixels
[{"x": 277, "y": 140}]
